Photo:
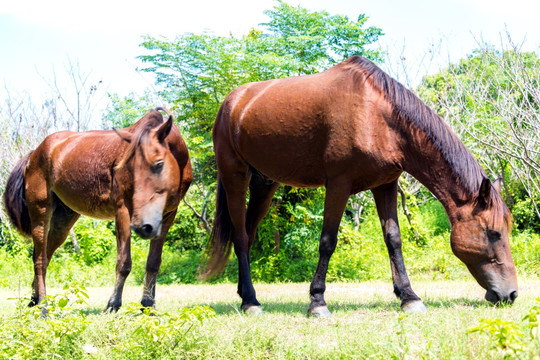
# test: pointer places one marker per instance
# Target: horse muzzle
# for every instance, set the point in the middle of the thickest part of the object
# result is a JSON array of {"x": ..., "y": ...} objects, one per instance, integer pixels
[
  {"x": 498, "y": 297},
  {"x": 147, "y": 230}
]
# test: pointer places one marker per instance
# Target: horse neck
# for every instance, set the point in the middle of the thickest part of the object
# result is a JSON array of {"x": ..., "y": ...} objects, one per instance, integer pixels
[{"x": 427, "y": 164}]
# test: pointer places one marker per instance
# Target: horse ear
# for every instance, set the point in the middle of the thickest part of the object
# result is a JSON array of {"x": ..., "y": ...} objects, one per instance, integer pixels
[
  {"x": 485, "y": 190},
  {"x": 124, "y": 134},
  {"x": 164, "y": 129},
  {"x": 497, "y": 184}
]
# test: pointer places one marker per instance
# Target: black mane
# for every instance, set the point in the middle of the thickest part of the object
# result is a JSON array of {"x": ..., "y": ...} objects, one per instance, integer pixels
[{"x": 411, "y": 110}]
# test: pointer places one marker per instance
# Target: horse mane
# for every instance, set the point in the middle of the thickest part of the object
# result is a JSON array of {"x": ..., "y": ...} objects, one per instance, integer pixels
[
  {"x": 141, "y": 136},
  {"x": 408, "y": 108},
  {"x": 411, "y": 110}
]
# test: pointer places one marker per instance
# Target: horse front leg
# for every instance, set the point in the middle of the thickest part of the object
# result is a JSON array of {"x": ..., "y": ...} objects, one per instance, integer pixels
[
  {"x": 153, "y": 262},
  {"x": 123, "y": 258},
  {"x": 337, "y": 193},
  {"x": 386, "y": 202}
]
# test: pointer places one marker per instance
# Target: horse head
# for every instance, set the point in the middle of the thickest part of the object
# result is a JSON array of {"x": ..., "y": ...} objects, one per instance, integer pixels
[
  {"x": 155, "y": 173},
  {"x": 480, "y": 239}
]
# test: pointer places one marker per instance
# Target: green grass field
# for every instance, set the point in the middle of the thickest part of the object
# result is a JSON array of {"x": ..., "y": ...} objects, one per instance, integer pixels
[{"x": 367, "y": 323}]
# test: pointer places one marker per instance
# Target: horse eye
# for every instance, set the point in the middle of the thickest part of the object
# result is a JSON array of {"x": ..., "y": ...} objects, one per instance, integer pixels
[
  {"x": 493, "y": 235},
  {"x": 158, "y": 166}
]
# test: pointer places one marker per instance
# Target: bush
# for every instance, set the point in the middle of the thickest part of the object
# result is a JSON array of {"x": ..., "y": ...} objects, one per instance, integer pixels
[
  {"x": 96, "y": 239},
  {"x": 526, "y": 252},
  {"x": 186, "y": 232}
]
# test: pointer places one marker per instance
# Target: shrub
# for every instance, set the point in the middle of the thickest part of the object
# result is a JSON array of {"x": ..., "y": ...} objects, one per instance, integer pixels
[{"x": 96, "y": 239}]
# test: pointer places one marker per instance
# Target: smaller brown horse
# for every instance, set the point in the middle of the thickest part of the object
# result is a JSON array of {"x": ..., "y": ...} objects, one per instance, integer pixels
[{"x": 136, "y": 176}]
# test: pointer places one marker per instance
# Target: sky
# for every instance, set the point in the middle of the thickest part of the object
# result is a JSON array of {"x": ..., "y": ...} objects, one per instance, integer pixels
[{"x": 38, "y": 39}]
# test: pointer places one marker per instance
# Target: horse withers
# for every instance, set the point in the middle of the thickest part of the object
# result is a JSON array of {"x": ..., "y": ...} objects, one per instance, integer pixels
[
  {"x": 136, "y": 175},
  {"x": 351, "y": 128}
]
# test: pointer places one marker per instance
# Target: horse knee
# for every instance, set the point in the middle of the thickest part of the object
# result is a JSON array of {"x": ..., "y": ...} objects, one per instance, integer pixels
[
  {"x": 327, "y": 244},
  {"x": 125, "y": 269},
  {"x": 153, "y": 268},
  {"x": 392, "y": 235}
]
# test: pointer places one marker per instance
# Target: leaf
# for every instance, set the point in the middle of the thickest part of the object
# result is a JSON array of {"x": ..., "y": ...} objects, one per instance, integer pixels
[{"x": 63, "y": 302}]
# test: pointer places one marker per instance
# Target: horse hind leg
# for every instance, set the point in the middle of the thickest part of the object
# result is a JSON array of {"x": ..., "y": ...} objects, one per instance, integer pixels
[
  {"x": 40, "y": 209},
  {"x": 60, "y": 223},
  {"x": 261, "y": 191},
  {"x": 235, "y": 177}
]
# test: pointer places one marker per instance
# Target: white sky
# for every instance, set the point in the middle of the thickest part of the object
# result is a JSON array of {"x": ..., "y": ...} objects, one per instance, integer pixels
[{"x": 37, "y": 37}]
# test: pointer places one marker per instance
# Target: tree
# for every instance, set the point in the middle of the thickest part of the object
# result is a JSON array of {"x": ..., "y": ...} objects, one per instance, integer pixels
[
  {"x": 123, "y": 112},
  {"x": 314, "y": 41}
]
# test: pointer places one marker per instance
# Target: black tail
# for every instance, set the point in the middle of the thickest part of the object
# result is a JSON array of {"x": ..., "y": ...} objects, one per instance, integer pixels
[
  {"x": 14, "y": 200},
  {"x": 219, "y": 245}
]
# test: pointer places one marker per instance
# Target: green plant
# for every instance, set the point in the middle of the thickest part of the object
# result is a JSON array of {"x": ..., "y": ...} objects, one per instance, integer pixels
[
  {"x": 96, "y": 239},
  {"x": 533, "y": 325},
  {"x": 157, "y": 334},
  {"x": 55, "y": 335},
  {"x": 504, "y": 335}
]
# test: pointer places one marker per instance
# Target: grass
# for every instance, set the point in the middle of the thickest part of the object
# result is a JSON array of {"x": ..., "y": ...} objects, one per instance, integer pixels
[{"x": 367, "y": 323}]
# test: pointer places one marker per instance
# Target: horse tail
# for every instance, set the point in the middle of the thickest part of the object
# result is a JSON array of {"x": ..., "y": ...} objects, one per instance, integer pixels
[
  {"x": 14, "y": 197},
  {"x": 219, "y": 244}
]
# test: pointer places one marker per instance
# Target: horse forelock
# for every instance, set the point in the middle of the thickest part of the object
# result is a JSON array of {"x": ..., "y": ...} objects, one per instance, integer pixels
[
  {"x": 413, "y": 112},
  {"x": 141, "y": 138}
]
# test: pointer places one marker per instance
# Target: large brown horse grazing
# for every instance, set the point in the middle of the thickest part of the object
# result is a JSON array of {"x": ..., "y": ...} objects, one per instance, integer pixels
[
  {"x": 136, "y": 176},
  {"x": 351, "y": 128}
]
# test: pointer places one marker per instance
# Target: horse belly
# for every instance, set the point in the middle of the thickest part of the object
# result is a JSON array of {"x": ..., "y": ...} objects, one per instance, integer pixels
[
  {"x": 83, "y": 183},
  {"x": 310, "y": 161},
  {"x": 90, "y": 199}
]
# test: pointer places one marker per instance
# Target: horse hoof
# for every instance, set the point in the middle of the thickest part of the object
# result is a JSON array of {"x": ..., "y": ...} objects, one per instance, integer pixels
[
  {"x": 253, "y": 310},
  {"x": 416, "y": 306},
  {"x": 111, "y": 309},
  {"x": 320, "y": 312}
]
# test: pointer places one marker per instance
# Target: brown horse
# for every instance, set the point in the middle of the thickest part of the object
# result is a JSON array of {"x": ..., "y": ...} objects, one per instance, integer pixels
[
  {"x": 351, "y": 128},
  {"x": 136, "y": 176}
]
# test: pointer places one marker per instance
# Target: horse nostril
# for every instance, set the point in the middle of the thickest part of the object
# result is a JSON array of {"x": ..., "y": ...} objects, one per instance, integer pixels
[
  {"x": 147, "y": 229},
  {"x": 513, "y": 295}
]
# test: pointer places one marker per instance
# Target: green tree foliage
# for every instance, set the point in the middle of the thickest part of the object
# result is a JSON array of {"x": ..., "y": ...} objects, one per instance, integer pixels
[
  {"x": 123, "y": 112},
  {"x": 316, "y": 40}
]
